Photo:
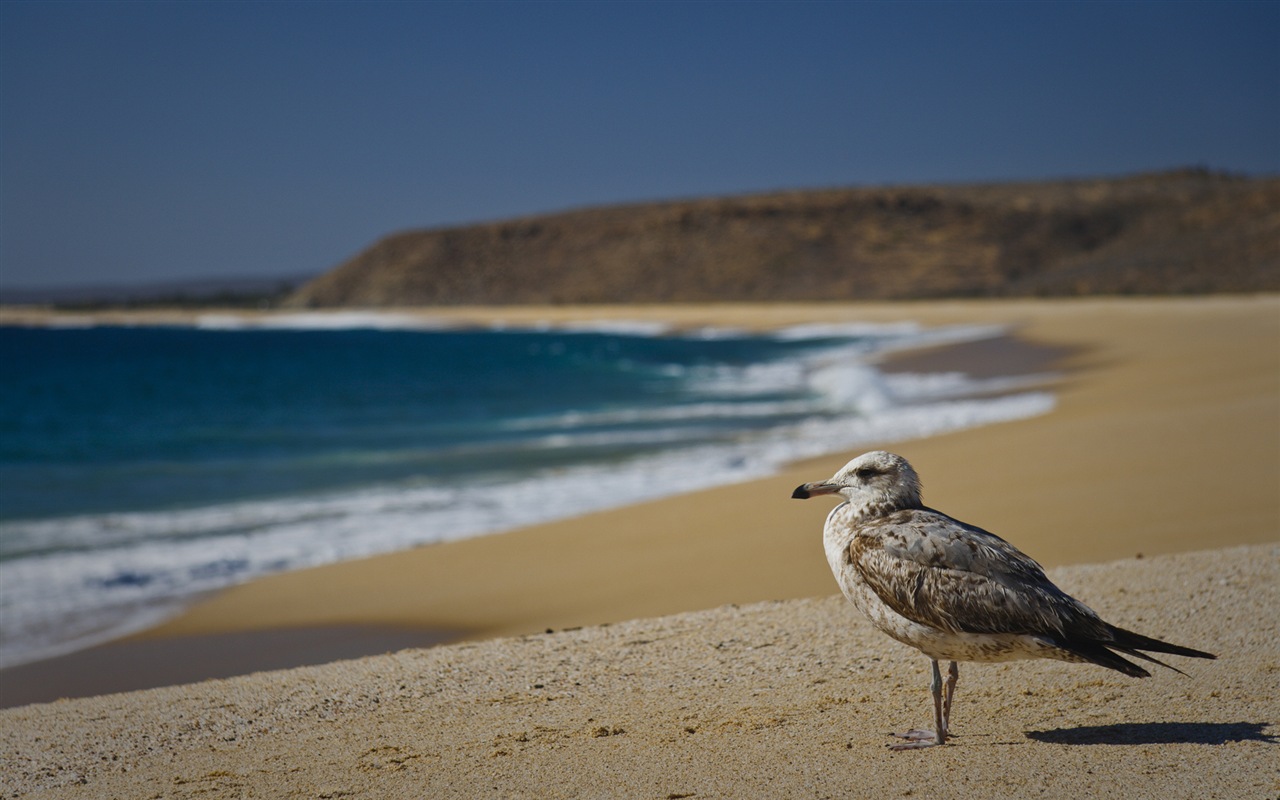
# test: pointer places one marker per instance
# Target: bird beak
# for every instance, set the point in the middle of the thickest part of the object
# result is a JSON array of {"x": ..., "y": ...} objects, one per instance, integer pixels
[{"x": 806, "y": 490}]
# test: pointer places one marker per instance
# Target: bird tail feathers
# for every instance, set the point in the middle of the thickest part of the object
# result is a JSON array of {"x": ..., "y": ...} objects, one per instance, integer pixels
[
  {"x": 1096, "y": 653},
  {"x": 1132, "y": 644},
  {"x": 1128, "y": 641}
]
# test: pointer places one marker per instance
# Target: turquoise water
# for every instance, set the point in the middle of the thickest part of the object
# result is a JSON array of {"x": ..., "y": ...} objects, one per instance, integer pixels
[
  {"x": 129, "y": 419},
  {"x": 139, "y": 466}
]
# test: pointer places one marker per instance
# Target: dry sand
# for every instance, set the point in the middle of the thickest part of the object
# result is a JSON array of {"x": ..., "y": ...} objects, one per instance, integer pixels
[
  {"x": 784, "y": 699},
  {"x": 1166, "y": 439}
]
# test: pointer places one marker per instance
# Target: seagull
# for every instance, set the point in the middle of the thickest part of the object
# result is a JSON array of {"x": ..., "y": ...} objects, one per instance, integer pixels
[{"x": 954, "y": 591}]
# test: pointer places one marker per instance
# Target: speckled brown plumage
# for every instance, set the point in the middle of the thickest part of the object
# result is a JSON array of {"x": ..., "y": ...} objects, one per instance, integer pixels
[{"x": 952, "y": 590}]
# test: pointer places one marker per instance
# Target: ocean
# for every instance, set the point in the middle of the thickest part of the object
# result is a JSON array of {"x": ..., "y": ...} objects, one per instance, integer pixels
[{"x": 143, "y": 466}]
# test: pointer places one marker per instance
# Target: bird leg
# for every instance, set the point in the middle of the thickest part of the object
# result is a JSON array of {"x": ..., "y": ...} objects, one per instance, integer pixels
[
  {"x": 953, "y": 675},
  {"x": 917, "y": 738}
]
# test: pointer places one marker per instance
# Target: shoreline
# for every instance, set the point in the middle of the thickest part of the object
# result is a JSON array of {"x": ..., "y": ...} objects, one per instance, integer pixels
[
  {"x": 141, "y": 659},
  {"x": 678, "y": 317},
  {"x": 1130, "y": 395}
]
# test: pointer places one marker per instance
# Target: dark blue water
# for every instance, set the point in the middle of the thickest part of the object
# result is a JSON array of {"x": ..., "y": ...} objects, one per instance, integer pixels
[{"x": 115, "y": 419}]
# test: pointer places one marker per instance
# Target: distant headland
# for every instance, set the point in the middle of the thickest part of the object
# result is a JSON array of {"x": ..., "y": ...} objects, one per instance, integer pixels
[{"x": 1181, "y": 232}]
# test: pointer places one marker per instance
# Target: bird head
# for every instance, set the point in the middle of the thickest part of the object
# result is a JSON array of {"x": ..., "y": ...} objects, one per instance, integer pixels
[{"x": 872, "y": 479}]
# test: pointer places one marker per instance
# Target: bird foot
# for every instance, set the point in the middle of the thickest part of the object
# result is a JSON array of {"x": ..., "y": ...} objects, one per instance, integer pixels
[{"x": 916, "y": 739}]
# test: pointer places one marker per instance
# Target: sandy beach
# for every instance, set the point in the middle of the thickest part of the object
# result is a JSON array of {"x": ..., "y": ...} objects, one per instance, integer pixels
[
  {"x": 1168, "y": 413},
  {"x": 781, "y": 699},
  {"x": 1165, "y": 442}
]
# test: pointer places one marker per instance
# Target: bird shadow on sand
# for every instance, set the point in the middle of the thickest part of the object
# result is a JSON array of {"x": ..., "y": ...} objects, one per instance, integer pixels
[{"x": 1159, "y": 733}]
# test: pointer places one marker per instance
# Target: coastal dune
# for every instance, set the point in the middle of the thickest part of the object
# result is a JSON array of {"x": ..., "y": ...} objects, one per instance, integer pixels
[{"x": 696, "y": 648}]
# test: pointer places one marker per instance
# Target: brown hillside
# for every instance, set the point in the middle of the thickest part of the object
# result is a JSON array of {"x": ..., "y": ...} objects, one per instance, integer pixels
[{"x": 1170, "y": 233}]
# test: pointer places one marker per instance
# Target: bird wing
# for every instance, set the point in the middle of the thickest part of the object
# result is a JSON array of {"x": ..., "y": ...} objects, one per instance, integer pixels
[{"x": 940, "y": 572}]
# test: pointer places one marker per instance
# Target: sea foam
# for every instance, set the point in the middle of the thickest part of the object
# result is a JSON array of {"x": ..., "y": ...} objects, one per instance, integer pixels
[{"x": 72, "y": 581}]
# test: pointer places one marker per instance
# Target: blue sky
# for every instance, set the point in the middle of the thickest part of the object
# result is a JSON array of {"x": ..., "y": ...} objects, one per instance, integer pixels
[{"x": 157, "y": 141}]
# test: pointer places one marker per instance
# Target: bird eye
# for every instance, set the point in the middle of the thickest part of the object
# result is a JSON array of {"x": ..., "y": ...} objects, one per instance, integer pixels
[{"x": 865, "y": 472}]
